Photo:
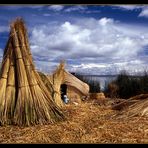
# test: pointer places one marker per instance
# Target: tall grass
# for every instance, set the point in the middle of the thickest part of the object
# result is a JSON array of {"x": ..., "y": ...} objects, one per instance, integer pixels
[{"x": 129, "y": 86}]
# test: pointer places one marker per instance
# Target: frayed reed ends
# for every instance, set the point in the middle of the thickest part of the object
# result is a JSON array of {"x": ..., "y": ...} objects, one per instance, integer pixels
[{"x": 24, "y": 99}]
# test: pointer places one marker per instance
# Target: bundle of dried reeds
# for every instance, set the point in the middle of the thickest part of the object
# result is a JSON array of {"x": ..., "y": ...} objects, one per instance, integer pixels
[
  {"x": 58, "y": 78},
  {"x": 125, "y": 103},
  {"x": 47, "y": 81},
  {"x": 24, "y": 99},
  {"x": 134, "y": 106}
]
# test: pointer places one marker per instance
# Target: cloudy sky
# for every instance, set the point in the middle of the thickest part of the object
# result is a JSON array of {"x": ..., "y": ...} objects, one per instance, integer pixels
[{"x": 93, "y": 39}]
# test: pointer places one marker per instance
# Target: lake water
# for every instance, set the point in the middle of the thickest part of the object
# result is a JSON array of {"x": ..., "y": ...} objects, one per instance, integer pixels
[{"x": 103, "y": 80}]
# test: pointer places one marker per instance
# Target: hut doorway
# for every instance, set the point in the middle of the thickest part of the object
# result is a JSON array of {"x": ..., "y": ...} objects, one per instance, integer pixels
[{"x": 63, "y": 91}]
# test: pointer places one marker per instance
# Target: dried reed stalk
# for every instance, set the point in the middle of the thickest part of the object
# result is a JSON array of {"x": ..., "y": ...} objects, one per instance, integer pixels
[
  {"x": 130, "y": 101},
  {"x": 24, "y": 99},
  {"x": 137, "y": 109},
  {"x": 58, "y": 78},
  {"x": 48, "y": 82},
  {"x": 22, "y": 35},
  {"x": 3, "y": 85},
  {"x": 10, "y": 92}
]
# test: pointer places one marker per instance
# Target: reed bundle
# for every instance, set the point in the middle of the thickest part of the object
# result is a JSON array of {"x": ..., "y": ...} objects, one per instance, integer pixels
[
  {"x": 24, "y": 99},
  {"x": 134, "y": 106},
  {"x": 53, "y": 83},
  {"x": 58, "y": 78},
  {"x": 47, "y": 81}
]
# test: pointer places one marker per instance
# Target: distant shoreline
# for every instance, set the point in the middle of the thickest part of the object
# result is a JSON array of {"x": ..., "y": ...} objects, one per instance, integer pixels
[{"x": 107, "y": 75}]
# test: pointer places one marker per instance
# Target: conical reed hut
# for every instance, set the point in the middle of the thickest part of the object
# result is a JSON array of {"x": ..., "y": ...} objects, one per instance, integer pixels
[
  {"x": 24, "y": 98},
  {"x": 75, "y": 89}
]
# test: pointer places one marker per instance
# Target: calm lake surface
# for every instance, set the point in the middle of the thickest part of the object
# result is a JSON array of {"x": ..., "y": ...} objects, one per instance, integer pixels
[{"x": 103, "y": 80}]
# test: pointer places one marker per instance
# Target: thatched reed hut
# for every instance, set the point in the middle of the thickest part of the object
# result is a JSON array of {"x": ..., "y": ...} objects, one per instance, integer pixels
[
  {"x": 77, "y": 90},
  {"x": 64, "y": 82},
  {"x": 24, "y": 98}
]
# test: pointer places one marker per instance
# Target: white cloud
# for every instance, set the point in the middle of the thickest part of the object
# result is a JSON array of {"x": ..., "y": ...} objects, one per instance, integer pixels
[
  {"x": 1, "y": 55},
  {"x": 129, "y": 7},
  {"x": 56, "y": 7},
  {"x": 46, "y": 14},
  {"x": 46, "y": 66},
  {"x": 104, "y": 21},
  {"x": 76, "y": 8},
  {"x": 19, "y": 6},
  {"x": 132, "y": 67},
  {"x": 98, "y": 46},
  {"x": 35, "y": 6},
  {"x": 92, "y": 11},
  {"x": 69, "y": 8},
  {"x": 13, "y": 7},
  {"x": 4, "y": 29},
  {"x": 90, "y": 65},
  {"x": 143, "y": 9},
  {"x": 144, "y": 12}
]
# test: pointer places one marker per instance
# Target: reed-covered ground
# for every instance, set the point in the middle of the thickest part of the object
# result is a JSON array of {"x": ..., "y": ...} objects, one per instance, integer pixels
[{"x": 88, "y": 122}]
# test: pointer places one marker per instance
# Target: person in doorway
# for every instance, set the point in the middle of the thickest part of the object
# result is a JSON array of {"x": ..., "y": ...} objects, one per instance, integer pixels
[{"x": 65, "y": 99}]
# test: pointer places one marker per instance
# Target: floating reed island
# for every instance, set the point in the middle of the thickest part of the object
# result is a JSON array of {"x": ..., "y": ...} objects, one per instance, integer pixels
[{"x": 24, "y": 98}]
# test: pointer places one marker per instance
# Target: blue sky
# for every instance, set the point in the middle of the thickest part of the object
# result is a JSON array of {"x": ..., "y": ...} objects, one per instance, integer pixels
[{"x": 93, "y": 39}]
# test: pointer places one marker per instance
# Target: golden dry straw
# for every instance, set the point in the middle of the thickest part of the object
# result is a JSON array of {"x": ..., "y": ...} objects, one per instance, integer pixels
[
  {"x": 24, "y": 98},
  {"x": 125, "y": 103},
  {"x": 96, "y": 96},
  {"x": 57, "y": 81},
  {"x": 134, "y": 106}
]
